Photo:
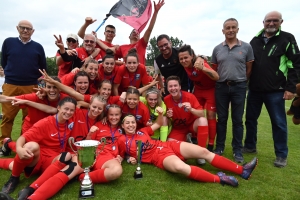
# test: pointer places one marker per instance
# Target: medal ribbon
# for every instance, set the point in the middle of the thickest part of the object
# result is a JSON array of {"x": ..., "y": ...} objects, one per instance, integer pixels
[{"x": 61, "y": 141}]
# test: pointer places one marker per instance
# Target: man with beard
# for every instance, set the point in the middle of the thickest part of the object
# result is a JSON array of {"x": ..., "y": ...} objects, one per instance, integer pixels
[
  {"x": 80, "y": 55},
  {"x": 273, "y": 80}
]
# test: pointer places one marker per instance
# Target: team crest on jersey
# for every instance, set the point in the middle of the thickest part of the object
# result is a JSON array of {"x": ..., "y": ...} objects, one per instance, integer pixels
[
  {"x": 70, "y": 126},
  {"x": 194, "y": 73},
  {"x": 138, "y": 117},
  {"x": 137, "y": 76},
  {"x": 139, "y": 133}
]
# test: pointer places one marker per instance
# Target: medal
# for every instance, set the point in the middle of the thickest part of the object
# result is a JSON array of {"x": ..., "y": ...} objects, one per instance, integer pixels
[
  {"x": 113, "y": 148},
  {"x": 180, "y": 105}
]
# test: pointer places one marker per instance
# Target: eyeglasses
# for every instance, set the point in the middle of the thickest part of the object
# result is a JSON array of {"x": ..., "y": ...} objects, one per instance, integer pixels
[
  {"x": 89, "y": 41},
  {"x": 71, "y": 40},
  {"x": 108, "y": 31},
  {"x": 272, "y": 20},
  {"x": 22, "y": 28},
  {"x": 163, "y": 46}
]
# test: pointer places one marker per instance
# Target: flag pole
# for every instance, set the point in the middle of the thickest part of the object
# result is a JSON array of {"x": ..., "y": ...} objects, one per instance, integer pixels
[{"x": 107, "y": 15}]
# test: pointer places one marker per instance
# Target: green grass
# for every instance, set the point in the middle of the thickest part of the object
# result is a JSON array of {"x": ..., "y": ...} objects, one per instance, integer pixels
[{"x": 267, "y": 181}]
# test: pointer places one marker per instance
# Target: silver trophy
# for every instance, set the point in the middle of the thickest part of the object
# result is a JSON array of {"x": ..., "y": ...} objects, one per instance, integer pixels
[
  {"x": 138, "y": 172},
  {"x": 86, "y": 153}
]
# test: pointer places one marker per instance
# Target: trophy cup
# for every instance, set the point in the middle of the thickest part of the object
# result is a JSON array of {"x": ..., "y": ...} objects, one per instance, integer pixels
[
  {"x": 138, "y": 173},
  {"x": 86, "y": 153}
]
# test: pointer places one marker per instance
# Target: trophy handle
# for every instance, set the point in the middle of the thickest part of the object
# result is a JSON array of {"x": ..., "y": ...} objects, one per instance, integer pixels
[
  {"x": 71, "y": 142},
  {"x": 102, "y": 142}
]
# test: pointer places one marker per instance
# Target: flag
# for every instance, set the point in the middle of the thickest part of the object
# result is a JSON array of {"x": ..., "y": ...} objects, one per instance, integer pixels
[{"x": 135, "y": 13}]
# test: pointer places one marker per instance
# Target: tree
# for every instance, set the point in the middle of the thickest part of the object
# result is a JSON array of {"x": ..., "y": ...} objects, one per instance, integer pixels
[
  {"x": 153, "y": 51},
  {"x": 52, "y": 67}
]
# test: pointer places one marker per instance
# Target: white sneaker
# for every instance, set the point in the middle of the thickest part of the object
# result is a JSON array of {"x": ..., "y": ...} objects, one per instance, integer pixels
[{"x": 201, "y": 161}]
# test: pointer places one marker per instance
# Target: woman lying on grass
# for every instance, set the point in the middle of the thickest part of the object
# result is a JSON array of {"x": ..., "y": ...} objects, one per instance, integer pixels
[{"x": 170, "y": 155}]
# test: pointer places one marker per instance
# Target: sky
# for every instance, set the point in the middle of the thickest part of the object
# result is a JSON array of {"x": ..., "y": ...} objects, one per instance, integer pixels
[{"x": 195, "y": 22}]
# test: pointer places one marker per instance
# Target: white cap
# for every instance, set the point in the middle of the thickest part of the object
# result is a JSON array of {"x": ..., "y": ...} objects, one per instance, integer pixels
[{"x": 74, "y": 36}]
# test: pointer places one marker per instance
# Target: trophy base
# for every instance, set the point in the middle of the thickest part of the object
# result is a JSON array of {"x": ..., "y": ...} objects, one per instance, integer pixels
[
  {"x": 138, "y": 175},
  {"x": 86, "y": 193}
]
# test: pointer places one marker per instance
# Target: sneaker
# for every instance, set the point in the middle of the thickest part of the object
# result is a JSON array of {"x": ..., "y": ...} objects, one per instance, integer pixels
[
  {"x": 10, "y": 185},
  {"x": 280, "y": 162},
  {"x": 210, "y": 147},
  {"x": 218, "y": 151},
  {"x": 4, "y": 196},
  {"x": 25, "y": 193},
  {"x": 246, "y": 150},
  {"x": 227, "y": 180},
  {"x": 5, "y": 150},
  {"x": 248, "y": 168},
  {"x": 201, "y": 161},
  {"x": 238, "y": 157}
]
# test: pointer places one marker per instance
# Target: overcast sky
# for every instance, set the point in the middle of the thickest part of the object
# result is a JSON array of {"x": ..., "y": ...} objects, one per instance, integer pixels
[{"x": 196, "y": 22}]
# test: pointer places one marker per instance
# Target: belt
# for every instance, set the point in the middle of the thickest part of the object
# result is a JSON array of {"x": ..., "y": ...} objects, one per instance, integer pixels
[{"x": 231, "y": 83}]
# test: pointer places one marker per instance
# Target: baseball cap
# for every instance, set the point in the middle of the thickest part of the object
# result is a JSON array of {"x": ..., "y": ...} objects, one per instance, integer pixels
[{"x": 74, "y": 36}]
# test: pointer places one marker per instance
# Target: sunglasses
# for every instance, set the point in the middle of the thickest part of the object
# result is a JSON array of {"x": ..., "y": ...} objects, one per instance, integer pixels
[
  {"x": 108, "y": 31},
  {"x": 22, "y": 28},
  {"x": 71, "y": 40},
  {"x": 272, "y": 20},
  {"x": 89, "y": 41}
]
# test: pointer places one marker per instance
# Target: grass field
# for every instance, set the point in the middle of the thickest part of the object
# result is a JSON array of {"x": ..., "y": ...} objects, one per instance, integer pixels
[{"x": 267, "y": 181}]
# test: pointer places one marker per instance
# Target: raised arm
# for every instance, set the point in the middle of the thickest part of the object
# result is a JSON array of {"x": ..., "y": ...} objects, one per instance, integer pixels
[
  {"x": 43, "y": 107},
  {"x": 62, "y": 87},
  {"x": 153, "y": 19},
  {"x": 159, "y": 120},
  {"x": 88, "y": 21},
  {"x": 208, "y": 71}
]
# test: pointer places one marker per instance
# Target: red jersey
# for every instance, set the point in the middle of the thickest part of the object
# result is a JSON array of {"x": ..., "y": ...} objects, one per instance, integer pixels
[
  {"x": 82, "y": 125},
  {"x": 200, "y": 79},
  {"x": 140, "y": 112},
  {"x": 140, "y": 46},
  {"x": 64, "y": 68},
  {"x": 82, "y": 54},
  {"x": 128, "y": 144},
  {"x": 51, "y": 136},
  {"x": 110, "y": 134},
  {"x": 102, "y": 76},
  {"x": 181, "y": 117},
  {"x": 126, "y": 78},
  {"x": 102, "y": 51},
  {"x": 34, "y": 115}
]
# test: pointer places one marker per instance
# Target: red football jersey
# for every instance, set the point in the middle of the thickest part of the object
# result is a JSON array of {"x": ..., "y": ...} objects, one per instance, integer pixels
[
  {"x": 128, "y": 144},
  {"x": 140, "y": 46},
  {"x": 200, "y": 79},
  {"x": 51, "y": 136},
  {"x": 110, "y": 134},
  {"x": 135, "y": 79},
  {"x": 181, "y": 117}
]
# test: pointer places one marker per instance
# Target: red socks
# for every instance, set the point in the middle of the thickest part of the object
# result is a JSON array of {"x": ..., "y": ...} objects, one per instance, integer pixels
[
  {"x": 202, "y": 135},
  {"x": 226, "y": 164},
  {"x": 4, "y": 163},
  {"x": 53, "y": 169},
  {"x": 97, "y": 176},
  {"x": 19, "y": 165},
  {"x": 199, "y": 174},
  {"x": 50, "y": 187},
  {"x": 212, "y": 130}
]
